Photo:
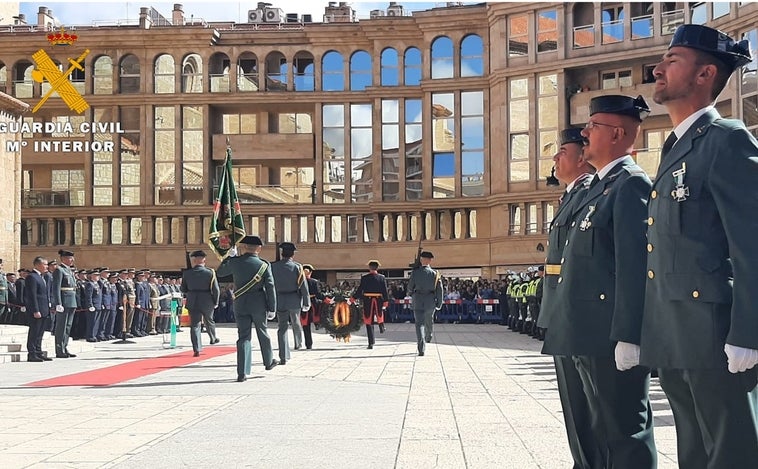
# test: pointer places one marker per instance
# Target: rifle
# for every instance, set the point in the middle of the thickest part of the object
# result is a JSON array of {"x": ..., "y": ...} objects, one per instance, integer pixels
[{"x": 417, "y": 262}]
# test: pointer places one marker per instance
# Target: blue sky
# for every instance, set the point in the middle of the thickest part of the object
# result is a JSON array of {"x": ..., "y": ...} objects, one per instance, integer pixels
[{"x": 85, "y": 13}]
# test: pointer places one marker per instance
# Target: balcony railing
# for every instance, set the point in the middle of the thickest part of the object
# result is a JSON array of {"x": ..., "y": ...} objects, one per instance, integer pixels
[
  {"x": 613, "y": 31},
  {"x": 273, "y": 194},
  {"x": 31, "y": 198},
  {"x": 670, "y": 20},
  {"x": 642, "y": 27},
  {"x": 584, "y": 36},
  {"x": 220, "y": 83}
]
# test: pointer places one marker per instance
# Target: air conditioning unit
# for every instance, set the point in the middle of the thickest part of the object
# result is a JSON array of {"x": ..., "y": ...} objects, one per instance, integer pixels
[
  {"x": 293, "y": 17},
  {"x": 376, "y": 14},
  {"x": 255, "y": 16},
  {"x": 272, "y": 15},
  {"x": 395, "y": 10}
]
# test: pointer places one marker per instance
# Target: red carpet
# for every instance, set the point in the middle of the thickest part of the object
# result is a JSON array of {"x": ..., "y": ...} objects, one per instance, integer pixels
[{"x": 134, "y": 369}]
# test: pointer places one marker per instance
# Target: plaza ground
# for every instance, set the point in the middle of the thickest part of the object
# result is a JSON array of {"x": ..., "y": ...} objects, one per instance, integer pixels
[{"x": 481, "y": 397}]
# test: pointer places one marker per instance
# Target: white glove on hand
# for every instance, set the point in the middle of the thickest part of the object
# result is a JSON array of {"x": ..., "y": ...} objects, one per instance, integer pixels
[
  {"x": 120, "y": 308},
  {"x": 271, "y": 315},
  {"x": 59, "y": 309},
  {"x": 91, "y": 308},
  {"x": 627, "y": 356},
  {"x": 305, "y": 309},
  {"x": 23, "y": 309},
  {"x": 739, "y": 358},
  {"x": 233, "y": 252}
]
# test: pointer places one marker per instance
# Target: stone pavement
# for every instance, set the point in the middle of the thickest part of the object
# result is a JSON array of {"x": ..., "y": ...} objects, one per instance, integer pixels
[{"x": 482, "y": 397}]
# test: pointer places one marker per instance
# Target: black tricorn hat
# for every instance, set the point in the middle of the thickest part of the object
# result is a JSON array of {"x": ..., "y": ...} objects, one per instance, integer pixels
[
  {"x": 197, "y": 253},
  {"x": 572, "y": 135},
  {"x": 287, "y": 247},
  {"x": 620, "y": 104},
  {"x": 64, "y": 253},
  {"x": 427, "y": 255},
  {"x": 733, "y": 54},
  {"x": 251, "y": 240},
  {"x": 309, "y": 267}
]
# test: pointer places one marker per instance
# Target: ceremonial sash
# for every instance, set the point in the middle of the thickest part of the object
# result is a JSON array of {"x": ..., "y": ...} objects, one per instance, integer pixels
[{"x": 253, "y": 282}]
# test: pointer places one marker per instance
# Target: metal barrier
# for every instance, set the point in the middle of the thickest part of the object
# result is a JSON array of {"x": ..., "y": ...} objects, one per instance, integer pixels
[
  {"x": 487, "y": 310},
  {"x": 401, "y": 310},
  {"x": 451, "y": 311}
]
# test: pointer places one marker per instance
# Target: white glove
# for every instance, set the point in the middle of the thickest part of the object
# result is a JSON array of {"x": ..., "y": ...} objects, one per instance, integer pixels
[
  {"x": 305, "y": 309},
  {"x": 740, "y": 359},
  {"x": 271, "y": 315},
  {"x": 23, "y": 309},
  {"x": 438, "y": 308},
  {"x": 120, "y": 308},
  {"x": 59, "y": 309},
  {"x": 233, "y": 252},
  {"x": 91, "y": 308},
  {"x": 627, "y": 356}
]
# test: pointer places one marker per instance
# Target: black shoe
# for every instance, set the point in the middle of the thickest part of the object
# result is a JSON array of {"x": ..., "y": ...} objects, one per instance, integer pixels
[
  {"x": 91, "y": 340},
  {"x": 215, "y": 341},
  {"x": 297, "y": 347},
  {"x": 282, "y": 362},
  {"x": 370, "y": 346},
  {"x": 381, "y": 328},
  {"x": 70, "y": 355},
  {"x": 421, "y": 354},
  {"x": 241, "y": 378},
  {"x": 309, "y": 347},
  {"x": 46, "y": 359},
  {"x": 196, "y": 354},
  {"x": 34, "y": 359},
  {"x": 272, "y": 364},
  {"x": 58, "y": 355}
]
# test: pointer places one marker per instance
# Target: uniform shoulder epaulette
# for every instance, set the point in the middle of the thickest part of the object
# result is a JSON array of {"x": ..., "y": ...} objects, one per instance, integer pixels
[{"x": 635, "y": 170}]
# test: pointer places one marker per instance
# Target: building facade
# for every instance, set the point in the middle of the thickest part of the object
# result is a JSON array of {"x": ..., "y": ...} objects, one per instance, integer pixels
[{"x": 353, "y": 138}]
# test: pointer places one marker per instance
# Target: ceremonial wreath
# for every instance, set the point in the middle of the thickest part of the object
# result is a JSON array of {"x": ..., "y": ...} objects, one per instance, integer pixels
[{"x": 343, "y": 316}]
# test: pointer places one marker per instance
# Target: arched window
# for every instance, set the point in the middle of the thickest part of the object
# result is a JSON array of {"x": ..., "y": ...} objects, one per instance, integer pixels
[
  {"x": 360, "y": 71},
  {"x": 164, "y": 74},
  {"x": 472, "y": 53},
  {"x": 192, "y": 74},
  {"x": 23, "y": 85},
  {"x": 218, "y": 73},
  {"x": 102, "y": 76},
  {"x": 247, "y": 72},
  {"x": 129, "y": 79},
  {"x": 442, "y": 57},
  {"x": 390, "y": 72},
  {"x": 412, "y": 67},
  {"x": 276, "y": 72},
  {"x": 304, "y": 71},
  {"x": 332, "y": 72},
  {"x": 3, "y": 78}
]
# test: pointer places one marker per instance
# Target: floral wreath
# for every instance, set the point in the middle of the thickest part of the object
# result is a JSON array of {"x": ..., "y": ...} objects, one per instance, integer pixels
[{"x": 343, "y": 316}]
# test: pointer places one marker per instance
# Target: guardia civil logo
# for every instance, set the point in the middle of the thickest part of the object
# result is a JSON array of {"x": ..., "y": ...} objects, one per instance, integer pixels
[{"x": 47, "y": 71}]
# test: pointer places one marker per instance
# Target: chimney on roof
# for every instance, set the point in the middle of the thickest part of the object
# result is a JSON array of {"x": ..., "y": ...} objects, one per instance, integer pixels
[
  {"x": 144, "y": 18},
  {"x": 177, "y": 15},
  {"x": 45, "y": 17}
]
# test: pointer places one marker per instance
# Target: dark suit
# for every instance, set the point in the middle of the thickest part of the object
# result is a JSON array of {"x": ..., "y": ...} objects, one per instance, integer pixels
[
  {"x": 701, "y": 291},
  {"x": 251, "y": 306},
  {"x": 601, "y": 289},
  {"x": 576, "y": 410},
  {"x": 200, "y": 286},
  {"x": 373, "y": 291},
  {"x": 36, "y": 301}
]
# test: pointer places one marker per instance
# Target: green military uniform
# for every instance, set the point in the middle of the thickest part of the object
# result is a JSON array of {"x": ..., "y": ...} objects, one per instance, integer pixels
[
  {"x": 576, "y": 410},
  {"x": 601, "y": 289},
  {"x": 701, "y": 279},
  {"x": 255, "y": 296},
  {"x": 3, "y": 292},
  {"x": 425, "y": 287},
  {"x": 200, "y": 286},
  {"x": 63, "y": 300}
]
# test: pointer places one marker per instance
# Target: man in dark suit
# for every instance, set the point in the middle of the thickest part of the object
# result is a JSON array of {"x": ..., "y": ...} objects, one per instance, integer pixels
[
  {"x": 601, "y": 287},
  {"x": 700, "y": 326},
  {"x": 313, "y": 314},
  {"x": 572, "y": 170},
  {"x": 200, "y": 286},
  {"x": 255, "y": 302},
  {"x": 373, "y": 291},
  {"x": 38, "y": 309}
]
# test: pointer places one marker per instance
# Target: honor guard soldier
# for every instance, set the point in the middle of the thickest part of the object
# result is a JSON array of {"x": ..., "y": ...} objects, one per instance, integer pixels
[
  {"x": 63, "y": 301},
  {"x": 570, "y": 169},
  {"x": 79, "y": 326},
  {"x": 200, "y": 286},
  {"x": 292, "y": 297},
  {"x": 93, "y": 304},
  {"x": 105, "y": 312},
  {"x": 601, "y": 287},
  {"x": 255, "y": 301},
  {"x": 425, "y": 287},
  {"x": 700, "y": 325},
  {"x": 313, "y": 314},
  {"x": 373, "y": 291},
  {"x": 131, "y": 301},
  {"x": 111, "y": 290},
  {"x": 142, "y": 308}
]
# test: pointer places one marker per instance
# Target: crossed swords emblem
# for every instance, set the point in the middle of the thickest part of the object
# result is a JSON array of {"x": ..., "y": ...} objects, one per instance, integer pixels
[{"x": 59, "y": 81}]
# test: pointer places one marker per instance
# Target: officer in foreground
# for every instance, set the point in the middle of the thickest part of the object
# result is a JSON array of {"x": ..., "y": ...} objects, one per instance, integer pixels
[
  {"x": 425, "y": 287},
  {"x": 601, "y": 287},
  {"x": 700, "y": 325},
  {"x": 254, "y": 302},
  {"x": 570, "y": 169},
  {"x": 200, "y": 286}
]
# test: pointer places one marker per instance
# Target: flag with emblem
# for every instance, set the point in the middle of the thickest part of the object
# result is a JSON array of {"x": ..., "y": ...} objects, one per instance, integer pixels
[{"x": 227, "y": 226}]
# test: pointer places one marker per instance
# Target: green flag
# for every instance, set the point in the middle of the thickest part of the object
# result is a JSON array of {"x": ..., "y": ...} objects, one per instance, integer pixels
[{"x": 227, "y": 226}]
